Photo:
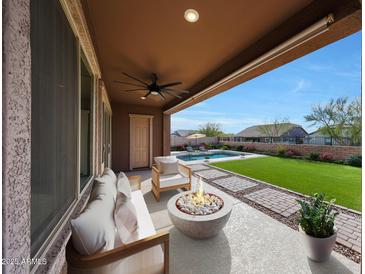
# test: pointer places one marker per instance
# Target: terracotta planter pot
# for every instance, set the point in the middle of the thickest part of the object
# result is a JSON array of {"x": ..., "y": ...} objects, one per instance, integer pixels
[{"x": 318, "y": 249}]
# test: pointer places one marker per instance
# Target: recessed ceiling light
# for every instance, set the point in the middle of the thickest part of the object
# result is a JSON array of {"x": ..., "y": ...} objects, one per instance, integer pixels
[
  {"x": 191, "y": 15},
  {"x": 143, "y": 97},
  {"x": 154, "y": 92}
]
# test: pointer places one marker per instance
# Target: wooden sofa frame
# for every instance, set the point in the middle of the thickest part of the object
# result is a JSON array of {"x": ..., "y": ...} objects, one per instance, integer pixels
[
  {"x": 76, "y": 260},
  {"x": 156, "y": 189}
]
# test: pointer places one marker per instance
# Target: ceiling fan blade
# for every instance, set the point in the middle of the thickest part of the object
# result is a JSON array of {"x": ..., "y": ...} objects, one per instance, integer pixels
[
  {"x": 134, "y": 78},
  {"x": 162, "y": 97},
  {"x": 178, "y": 90},
  {"x": 144, "y": 89},
  {"x": 126, "y": 83},
  {"x": 147, "y": 94},
  {"x": 172, "y": 94},
  {"x": 170, "y": 84}
]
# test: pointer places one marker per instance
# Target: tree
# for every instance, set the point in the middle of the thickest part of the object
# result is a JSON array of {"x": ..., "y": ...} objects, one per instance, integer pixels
[
  {"x": 338, "y": 119},
  {"x": 211, "y": 129},
  {"x": 275, "y": 129}
]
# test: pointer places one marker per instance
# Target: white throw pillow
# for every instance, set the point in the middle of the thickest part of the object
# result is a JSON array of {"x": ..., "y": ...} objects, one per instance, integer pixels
[
  {"x": 123, "y": 185},
  {"x": 104, "y": 186},
  {"x": 109, "y": 172},
  {"x": 165, "y": 159},
  {"x": 167, "y": 168},
  {"x": 125, "y": 218},
  {"x": 94, "y": 230}
]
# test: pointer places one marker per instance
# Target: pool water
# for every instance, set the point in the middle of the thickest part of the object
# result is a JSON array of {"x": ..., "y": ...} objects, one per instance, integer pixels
[{"x": 204, "y": 155}]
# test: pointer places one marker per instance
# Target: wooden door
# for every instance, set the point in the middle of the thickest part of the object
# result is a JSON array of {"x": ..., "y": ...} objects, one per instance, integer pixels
[{"x": 140, "y": 142}]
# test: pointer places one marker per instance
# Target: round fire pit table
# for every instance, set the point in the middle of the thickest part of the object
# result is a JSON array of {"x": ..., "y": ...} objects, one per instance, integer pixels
[{"x": 199, "y": 226}]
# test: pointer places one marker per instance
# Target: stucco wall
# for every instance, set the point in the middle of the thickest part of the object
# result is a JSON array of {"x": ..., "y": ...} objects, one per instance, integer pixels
[
  {"x": 16, "y": 133},
  {"x": 16, "y": 199},
  {"x": 121, "y": 132}
]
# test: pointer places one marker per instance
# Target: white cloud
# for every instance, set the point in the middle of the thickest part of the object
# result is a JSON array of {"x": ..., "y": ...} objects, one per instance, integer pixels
[{"x": 300, "y": 85}]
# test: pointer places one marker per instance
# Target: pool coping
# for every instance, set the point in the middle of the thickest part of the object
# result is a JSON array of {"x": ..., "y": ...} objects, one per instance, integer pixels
[{"x": 241, "y": 156}]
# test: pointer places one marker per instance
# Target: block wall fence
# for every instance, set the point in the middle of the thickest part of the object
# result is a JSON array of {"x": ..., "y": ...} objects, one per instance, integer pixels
[{"x": 338, "y": 152}]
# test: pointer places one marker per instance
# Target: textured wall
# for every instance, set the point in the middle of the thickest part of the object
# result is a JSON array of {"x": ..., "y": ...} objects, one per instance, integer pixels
[
  {"x": 121, "y": 132},
  {"x": 16, "y": 133},
  {"x": 338, "y": 152}
]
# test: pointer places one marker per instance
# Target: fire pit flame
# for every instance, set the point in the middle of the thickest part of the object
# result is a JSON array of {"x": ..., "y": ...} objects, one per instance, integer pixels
[
  {"x": 199, "y": 195},
  {"x": 199, "y": 202}
]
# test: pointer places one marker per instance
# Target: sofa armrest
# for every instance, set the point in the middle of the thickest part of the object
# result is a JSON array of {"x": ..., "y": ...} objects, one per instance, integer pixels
[
  {"x": 185, "y": 170},
  {"x": 135, "y": 181},
  {"x": 116, "y": 254},
  {"x": 155, "y": 176}
]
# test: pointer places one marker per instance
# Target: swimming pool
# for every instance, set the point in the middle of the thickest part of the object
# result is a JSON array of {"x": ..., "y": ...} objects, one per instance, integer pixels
[{"x": 193, "y": 156}]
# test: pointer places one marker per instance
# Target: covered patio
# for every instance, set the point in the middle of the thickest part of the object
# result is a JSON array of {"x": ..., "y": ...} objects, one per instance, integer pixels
[
  {"x": 90, "y": 85},
  {"x": 251, "y": 242}
]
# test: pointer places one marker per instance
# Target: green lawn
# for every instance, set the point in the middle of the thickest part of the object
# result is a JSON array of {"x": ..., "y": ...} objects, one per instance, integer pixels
[{"x": 337, "y": 181}]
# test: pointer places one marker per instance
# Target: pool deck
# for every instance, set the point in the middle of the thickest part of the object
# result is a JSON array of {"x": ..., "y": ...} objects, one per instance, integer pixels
[{"x": 243, "y": 155}]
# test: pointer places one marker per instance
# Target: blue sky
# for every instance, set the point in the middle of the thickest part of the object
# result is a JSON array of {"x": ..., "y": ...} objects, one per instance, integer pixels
[{"x": 286, "y": 92}]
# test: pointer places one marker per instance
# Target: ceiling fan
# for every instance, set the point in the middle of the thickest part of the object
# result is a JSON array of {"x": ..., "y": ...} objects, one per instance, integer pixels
[{"x": 153, "y": 88}]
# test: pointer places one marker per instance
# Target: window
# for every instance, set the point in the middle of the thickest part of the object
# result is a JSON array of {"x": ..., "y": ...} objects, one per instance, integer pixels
[
  {"x": 54, "y": 173},
  {"x": 328, "y": 141},
  {"x": 86, "y": 122}
]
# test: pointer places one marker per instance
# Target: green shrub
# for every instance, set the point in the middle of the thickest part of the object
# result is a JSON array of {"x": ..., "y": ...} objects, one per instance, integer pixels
[
  {"x": 314, "y": 156},
  {"x": 225, "y": 147},
  {"x": 354, "y": 160},
  {"x": 316, "y": 217},
  {"x": 281, "y": 150},
  {"x": 240, "y": 148}
]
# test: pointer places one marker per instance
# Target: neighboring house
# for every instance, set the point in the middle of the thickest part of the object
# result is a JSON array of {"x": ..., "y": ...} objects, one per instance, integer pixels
[
  {"x": 183, "y": 132},
  {"x": 318, "y": 138},
  {"x": 280, "y": 133}
]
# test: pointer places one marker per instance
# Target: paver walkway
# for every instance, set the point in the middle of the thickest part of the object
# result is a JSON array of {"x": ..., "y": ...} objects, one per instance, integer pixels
[
  {"x": 278, "y": 201},
  {"x": 211, "y": 174},
  {"x": 235, "y": 183},
  {"x": 349, "y": 231}
]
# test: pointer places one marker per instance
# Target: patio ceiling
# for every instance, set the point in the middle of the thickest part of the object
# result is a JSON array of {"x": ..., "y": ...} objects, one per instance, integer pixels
[{"x": 141, "y": 37}]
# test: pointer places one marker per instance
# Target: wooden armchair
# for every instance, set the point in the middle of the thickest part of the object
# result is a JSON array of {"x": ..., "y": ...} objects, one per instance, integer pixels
[{"x": 161, "y": 183}]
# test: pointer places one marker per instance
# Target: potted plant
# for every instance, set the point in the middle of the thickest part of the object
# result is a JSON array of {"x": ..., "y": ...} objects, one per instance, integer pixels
[{"x": 317, "y": 227}]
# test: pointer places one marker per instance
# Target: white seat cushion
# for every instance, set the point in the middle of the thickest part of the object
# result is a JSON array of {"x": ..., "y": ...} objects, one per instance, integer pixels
[{"x": 173, "y": 180}]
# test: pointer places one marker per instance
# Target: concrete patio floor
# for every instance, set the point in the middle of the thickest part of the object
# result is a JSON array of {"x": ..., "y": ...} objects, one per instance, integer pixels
[{"x": 251, "y": 242}]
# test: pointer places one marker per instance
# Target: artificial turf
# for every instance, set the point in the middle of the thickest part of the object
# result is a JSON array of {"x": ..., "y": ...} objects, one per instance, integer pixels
[{"x": 338, "y": 181}]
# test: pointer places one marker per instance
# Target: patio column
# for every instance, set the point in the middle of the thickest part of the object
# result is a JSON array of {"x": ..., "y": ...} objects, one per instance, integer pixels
[
  {"x": 16, "y": 133},
  {"x": 166, "y": 134}
]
